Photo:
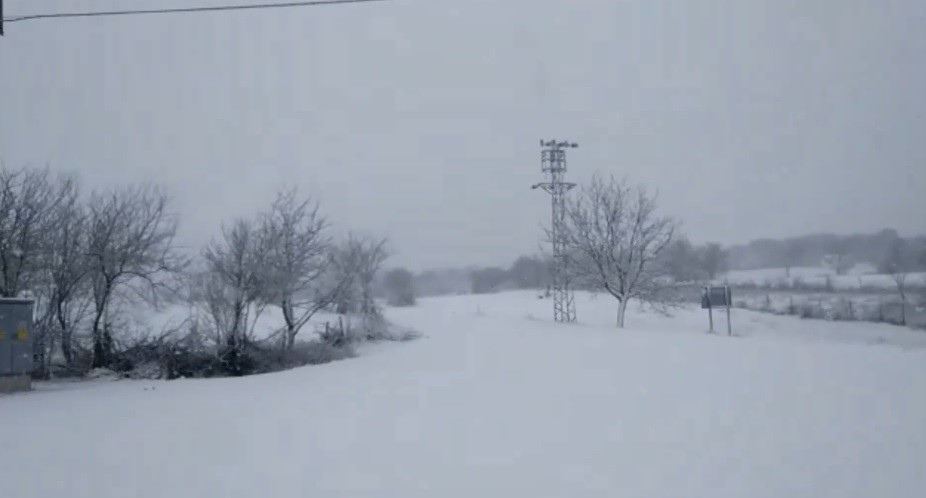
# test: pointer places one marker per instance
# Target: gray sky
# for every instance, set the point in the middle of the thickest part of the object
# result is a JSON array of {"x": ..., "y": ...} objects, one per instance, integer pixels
[{"x": 420, "y": 119}]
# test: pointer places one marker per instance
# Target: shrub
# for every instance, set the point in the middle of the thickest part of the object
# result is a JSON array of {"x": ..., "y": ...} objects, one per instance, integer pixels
[
  {"x": 191, "y": 364},
  {"x": 767, "y": 304},
  {"x": 335, "y": 335},
  {"x": 318, "y": 352},
  {"x": 810, "y": 310},
  {"x": 371, "y": 328},
  {"x": 843, "y": 311}
]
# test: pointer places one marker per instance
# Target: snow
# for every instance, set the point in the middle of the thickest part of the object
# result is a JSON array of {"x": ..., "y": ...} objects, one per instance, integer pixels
[
  {"x": 497, "y": 401},
  {"x": 859, "y": 277},
  {"x": 168, "y": 317}
]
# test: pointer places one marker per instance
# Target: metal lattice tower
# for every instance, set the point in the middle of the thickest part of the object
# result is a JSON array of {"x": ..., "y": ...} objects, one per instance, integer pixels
[{"x": 553, "y": 163}]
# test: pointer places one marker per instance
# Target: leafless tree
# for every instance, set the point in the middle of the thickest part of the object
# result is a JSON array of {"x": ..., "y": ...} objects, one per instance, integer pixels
[
  {"x": 298, "y": 260},
  {"x": 900, "y": 262},
  {"x": 399, "y": 284},
  {"x": 680, "y": 260},
  {"x": 231, "y": 285},
  {"x": 530, "y": 272},
  {"x": 358, "y": 260},
  {"x": 130, "y": 242},
  {"x": 371, "y": 256},
  {"x": 839, "y": 257},
  {"x": 613, "y": 235},
  {"x": 28, "y": 199},
  {"x": 489, "y": 280},
  {"x": 65, "y": 269},
  {"x": 713, "y": 260}
]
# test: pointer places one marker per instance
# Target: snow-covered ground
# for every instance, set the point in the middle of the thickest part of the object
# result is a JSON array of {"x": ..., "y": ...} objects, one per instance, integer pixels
[
  {"x": 859, "y": 277},
  {"x": 498, "y": 401},
  {"x": 859, "y": 295}
]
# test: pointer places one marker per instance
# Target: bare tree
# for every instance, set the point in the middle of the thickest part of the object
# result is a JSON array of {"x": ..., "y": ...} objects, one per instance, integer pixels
[
  {"x": 713, "y": 260},
  {"x": 358, "y": 260},
  {"x": 839, "y": 257},
  {"x": 400, "y": 287},
  {"x": 38, "y": 213},
  {"x": 530, "y": 272},
  {"x": 231, "y": 287},
  {"x": 680, "y": 260},
  {"x": 613, "y": 236},
  {"x": 899, "y": 263},
  {"x": 65, "y": 269},
  {"x": 28, "y": 198},
  {"x": 130, "y": 241},
  {"x": 298, "y": 259},
  {"x": 370, "y": 256},
  {"x": 489, "y": 280}
]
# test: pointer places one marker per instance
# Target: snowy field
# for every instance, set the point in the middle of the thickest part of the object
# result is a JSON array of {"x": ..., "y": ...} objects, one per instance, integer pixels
[
  {"x": 497, "y": 401},
  {"x": 859, "y": 295},
  {"x": 859, "y": 277}
]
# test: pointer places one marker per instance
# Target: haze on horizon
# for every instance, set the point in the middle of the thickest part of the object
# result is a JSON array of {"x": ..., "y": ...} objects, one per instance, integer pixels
[{"x": 420, "y": 120}]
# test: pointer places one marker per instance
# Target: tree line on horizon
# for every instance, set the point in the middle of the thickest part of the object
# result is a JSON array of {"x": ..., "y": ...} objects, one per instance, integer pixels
[{"x": 687, "y": 262}]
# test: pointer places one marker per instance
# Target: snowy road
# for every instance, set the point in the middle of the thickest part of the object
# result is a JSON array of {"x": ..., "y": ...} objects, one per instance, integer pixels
[{"x": 496, "y": 402}]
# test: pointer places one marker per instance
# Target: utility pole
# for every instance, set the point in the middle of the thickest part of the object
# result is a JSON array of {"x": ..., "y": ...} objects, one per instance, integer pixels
[
  {"x": 553, "y": 163},
  {"x": 1, "y": 17}
]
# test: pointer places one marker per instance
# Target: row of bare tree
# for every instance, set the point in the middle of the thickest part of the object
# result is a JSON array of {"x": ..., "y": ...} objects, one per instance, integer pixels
[
  {"x": 84, "y": 257},
  {"x": 77, "y": 257}
]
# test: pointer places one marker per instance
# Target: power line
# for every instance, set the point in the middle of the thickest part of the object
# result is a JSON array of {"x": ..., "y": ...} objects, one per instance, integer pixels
[{"x": 181, "y": 10}]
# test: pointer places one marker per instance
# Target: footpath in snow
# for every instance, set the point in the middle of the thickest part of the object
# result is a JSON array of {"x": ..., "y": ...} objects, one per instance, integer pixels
[{"x": 497, "y": 401}]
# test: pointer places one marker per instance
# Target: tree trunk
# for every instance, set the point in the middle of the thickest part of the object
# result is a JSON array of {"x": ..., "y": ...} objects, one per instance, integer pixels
[
  {"x": 66, "y": 350},
  {"x": 45, "y": 342},
  {"x": 102, "y": 348},
  {"x": 621, "y": 312},
  {"x": 289, "y": 335},
  {"x": 289, "y": 340},
  {"x": 102, "y": 340},
  {"x": 100, "y": 353}
]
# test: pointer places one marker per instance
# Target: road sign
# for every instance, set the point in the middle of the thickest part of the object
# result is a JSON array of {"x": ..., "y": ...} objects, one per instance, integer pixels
[{"x": 717, "y": 297}]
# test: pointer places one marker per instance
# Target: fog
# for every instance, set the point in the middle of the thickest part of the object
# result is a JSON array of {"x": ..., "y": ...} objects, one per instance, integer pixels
[{"x": 420, "y": 120}]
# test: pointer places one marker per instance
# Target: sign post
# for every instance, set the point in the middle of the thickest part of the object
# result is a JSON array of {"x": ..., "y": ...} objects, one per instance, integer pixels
[
  {"x": 729, "y": 326},
  {"x": 717, "y": 296}
]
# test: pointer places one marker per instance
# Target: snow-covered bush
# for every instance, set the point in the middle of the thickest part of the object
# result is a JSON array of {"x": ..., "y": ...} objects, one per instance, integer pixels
[{"x": 318, "y": 352}]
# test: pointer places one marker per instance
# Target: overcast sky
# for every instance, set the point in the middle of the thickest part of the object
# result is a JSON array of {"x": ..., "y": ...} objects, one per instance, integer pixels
[{"x": 420, "y": 119}]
